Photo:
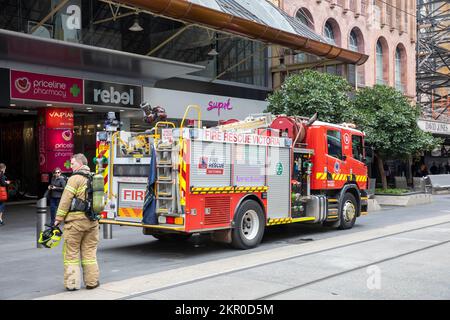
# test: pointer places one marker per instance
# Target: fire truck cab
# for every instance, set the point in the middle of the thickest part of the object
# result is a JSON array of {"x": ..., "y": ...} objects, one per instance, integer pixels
[{"x": 234, "y": 180}]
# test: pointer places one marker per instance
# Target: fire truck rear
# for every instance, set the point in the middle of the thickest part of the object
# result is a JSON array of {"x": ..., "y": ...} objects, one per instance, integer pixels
[{"x": 234, "y": 180}]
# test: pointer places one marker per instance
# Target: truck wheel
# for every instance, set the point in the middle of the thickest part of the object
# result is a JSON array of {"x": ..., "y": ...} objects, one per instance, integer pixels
[
  {"x": 249, "y": 224},
  {"x": 348, "y": 212}
]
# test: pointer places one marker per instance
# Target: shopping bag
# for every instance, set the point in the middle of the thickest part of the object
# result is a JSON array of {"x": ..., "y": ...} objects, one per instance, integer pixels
[{"x": 3, "y": 194}]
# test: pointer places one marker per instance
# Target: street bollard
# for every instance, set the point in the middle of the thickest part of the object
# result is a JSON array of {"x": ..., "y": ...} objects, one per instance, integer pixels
[
  {"x": 107, "y": 231},
  {"x": 41, "y": 210}
]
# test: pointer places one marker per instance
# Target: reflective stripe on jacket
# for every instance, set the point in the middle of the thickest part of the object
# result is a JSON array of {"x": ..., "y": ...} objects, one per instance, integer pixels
[{"x": 76, "y": 187}]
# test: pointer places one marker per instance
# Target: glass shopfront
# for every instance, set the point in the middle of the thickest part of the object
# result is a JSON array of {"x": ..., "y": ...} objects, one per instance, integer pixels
[{"x": 99, "y": 24}]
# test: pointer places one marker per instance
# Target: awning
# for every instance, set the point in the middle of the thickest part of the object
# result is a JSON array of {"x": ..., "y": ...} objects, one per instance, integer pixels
[
  {"x": 257, "y": 19},
  {"x": 24, "y": 48}
]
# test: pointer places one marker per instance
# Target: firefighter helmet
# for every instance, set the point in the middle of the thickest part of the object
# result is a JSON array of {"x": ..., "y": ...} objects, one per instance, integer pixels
[{"x": 50, "y": 237}]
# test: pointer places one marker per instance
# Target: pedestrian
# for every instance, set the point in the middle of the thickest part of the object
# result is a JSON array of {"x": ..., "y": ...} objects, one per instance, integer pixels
[
  {"x": 81, "y": 235},
  {"x": 56, "y": 189},
  {"x": 3, "y": 183},
  {"x": 434, "y": 169},
  {"x": 423, "y": 170}
]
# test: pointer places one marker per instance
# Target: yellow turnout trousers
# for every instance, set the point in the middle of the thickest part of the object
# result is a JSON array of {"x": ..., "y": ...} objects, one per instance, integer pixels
[{"x": 80, "y": 241}]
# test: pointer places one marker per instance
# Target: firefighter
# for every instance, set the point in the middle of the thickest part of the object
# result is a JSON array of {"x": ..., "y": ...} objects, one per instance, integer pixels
[{"x": 81, "y": 235}]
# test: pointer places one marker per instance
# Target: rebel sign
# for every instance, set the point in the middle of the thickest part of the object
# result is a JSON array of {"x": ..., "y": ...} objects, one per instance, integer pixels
[{"x": 112, "y": 94}]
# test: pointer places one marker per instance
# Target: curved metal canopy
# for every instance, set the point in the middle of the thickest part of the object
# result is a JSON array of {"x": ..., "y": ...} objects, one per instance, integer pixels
[{"x": 255, "y": 19}]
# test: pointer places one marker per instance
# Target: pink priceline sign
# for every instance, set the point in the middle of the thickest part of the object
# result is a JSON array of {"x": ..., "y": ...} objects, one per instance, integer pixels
[
  {"x": 42, "y": 87},
  {"x": 56, "y": 143},
  {"x": 60, "y": 140},
  {"x": 56, "y": 149},
  {"x": 49, "y": 160}
]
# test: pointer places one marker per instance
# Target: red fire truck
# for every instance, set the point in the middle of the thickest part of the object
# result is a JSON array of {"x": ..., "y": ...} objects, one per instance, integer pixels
[{"x": 234, "y": 180}]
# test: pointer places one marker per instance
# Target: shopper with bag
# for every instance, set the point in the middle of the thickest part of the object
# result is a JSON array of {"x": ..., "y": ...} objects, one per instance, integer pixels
[{"x": 3, "y": 191}]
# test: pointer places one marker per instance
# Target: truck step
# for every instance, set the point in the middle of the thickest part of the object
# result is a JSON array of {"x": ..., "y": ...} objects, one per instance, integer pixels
[
  {"x": 164, "y": 198},
  {"x": 164, "y": 146},
  {"x": 332, "y": 213},
  {"x": 165, "y": 194}
]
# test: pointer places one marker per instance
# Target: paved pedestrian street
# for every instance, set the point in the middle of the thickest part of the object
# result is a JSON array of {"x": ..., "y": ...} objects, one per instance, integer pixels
[{"x": 394, "y": 253}]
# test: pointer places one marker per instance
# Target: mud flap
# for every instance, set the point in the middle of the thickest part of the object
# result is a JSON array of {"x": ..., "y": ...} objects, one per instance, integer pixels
[{"x": 222, "y": 236}]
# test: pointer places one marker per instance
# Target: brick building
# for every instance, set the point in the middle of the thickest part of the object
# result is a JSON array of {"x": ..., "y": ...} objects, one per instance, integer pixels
[{"x": 383, "y": 29}]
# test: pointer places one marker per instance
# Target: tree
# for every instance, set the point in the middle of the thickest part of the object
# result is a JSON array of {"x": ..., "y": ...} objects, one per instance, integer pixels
[
  {"x": 390, "y": 124},
  {"x": 309, "y": 92}
]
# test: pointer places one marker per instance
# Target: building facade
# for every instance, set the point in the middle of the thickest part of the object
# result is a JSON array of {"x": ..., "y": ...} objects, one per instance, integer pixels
[
  {"x": 65, "y": 64},
  {"x": 384, "y": 30},
  {"x": 80, "y": 59}
]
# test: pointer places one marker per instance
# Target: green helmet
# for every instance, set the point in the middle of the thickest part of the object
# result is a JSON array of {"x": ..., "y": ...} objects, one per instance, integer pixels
[{"x": 50, "y": 237}]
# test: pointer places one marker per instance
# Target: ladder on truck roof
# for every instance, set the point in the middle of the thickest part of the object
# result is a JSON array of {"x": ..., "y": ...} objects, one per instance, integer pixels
[{"x": 262, "y": 120}]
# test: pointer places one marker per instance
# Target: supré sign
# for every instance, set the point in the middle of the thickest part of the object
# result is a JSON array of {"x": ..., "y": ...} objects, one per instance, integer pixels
[
  {"x": 219, "y": 105},
  {"x": 213, "y": 107},
  {"x": 112, "y": 94}
]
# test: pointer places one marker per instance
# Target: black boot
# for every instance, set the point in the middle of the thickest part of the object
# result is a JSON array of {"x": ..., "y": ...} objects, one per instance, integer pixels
[{"x": 94, "y": 286}]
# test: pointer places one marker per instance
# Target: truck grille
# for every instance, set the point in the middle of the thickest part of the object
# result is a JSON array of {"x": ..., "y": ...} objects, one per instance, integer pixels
[{"x": 219, "y": 210}]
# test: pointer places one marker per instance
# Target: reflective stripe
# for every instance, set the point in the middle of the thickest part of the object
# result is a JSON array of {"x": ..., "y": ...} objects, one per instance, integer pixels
[
  {"x": 276, "y": 221},
  {"x": 81, "y": 189},
  {"x": 340, "y": 177},
  {"x": 76, "y": 212},
  {"x": 71, "y": 189},
  {"x": 71, "y": 262},
  {"x": 225, "y": 190},
  {"x": 88, "y": 262},
  {"x": 61, "y": 213}
]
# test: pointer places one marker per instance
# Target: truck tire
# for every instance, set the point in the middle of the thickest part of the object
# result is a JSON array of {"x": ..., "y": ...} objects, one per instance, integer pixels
[
  {"x": 249, "y": 224},
  {"x": 348, "y": 211}
]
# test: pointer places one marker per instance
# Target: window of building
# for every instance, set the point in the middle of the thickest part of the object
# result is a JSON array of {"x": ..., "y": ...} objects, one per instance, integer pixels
[
  {"x": 398, "y": 70},
  {"x": 334, "y": 143},
  {"x": 305, "y": 17},
  {"x": 352, "y": 45},
  {"x": 357, "y": 148},
  {"x": 356, "y": 73},
  {"x": 376, "y": 13},
  {"x": 353, "y": 41},
  {"x": 328, "y": 33},
  {"x": 379, "y": 63}
]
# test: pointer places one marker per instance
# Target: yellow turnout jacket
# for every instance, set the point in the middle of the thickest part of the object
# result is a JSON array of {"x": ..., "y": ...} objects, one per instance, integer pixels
[{"x": 75, "y": 188}]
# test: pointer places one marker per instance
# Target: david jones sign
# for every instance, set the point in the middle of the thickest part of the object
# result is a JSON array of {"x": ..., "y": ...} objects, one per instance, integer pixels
[{"x": 434, "y": 127}]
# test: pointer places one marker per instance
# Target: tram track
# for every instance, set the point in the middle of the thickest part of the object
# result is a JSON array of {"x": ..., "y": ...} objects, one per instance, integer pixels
[{"x": 274, "y": 294}]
